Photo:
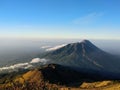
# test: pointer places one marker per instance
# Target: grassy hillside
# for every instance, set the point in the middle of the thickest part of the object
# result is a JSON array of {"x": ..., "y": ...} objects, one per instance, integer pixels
[{"x": 54, "y": 77}]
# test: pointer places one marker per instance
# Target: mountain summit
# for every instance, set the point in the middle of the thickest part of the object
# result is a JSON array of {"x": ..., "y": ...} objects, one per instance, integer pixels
[
  {"x": 85, "y": 41},
  {"x": 84, "y": 55}
]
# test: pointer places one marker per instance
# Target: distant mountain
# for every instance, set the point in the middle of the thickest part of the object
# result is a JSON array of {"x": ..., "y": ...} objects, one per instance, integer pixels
[{"x": 84, "y": 55}]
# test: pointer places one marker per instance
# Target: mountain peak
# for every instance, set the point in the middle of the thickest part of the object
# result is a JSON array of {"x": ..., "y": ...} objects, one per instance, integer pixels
[
  {"x": 75, "y": 51},
  {"x": 85, "y": 41},
  {"x": 78, "y": 48}
]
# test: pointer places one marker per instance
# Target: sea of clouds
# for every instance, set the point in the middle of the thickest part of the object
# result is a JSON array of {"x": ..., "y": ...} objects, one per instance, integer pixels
[{"x": 25, "y": 65}]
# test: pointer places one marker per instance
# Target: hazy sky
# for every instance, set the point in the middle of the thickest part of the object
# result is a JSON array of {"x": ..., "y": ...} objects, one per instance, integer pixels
[{"x": 94, "y": 19}]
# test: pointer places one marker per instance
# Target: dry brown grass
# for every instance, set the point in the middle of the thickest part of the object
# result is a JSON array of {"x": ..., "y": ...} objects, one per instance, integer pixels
[
  {"x": 34, "y": 80},
  {"x": 96, "y": 84}
]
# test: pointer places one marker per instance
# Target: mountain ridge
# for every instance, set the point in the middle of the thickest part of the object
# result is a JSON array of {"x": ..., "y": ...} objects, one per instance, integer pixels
[{"x": 54, "y": 77}]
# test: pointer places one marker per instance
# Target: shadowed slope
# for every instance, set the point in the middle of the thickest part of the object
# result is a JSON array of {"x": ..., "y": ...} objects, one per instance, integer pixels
[{"x": 84, "y": 55}]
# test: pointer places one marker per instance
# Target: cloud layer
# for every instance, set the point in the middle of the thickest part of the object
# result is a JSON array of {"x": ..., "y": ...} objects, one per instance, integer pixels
[
  {"x": 26, "y": 65},
  {"x": 56, "y": 47},
  {"x": 37, "y": 60},
  {"x": 44, "y": 47}
]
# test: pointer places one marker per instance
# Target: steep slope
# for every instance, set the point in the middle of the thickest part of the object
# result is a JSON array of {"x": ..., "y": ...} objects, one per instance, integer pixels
[{"x": 84, "y": 55}]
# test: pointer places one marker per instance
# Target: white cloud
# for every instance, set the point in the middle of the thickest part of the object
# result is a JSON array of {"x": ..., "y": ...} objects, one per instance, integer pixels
[
  {"x": 15, "y": 66},
  {"x": 44, "y": 47},
  {"x": 56, "y": 47},
  {"x": 26, "y": 65},
  {"x": 87, "y": 19},
  {"x": 37, "y": 60}
]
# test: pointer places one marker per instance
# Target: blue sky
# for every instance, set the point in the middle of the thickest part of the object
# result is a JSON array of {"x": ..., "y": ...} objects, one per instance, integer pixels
[{"x": 84, "y": 19}]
